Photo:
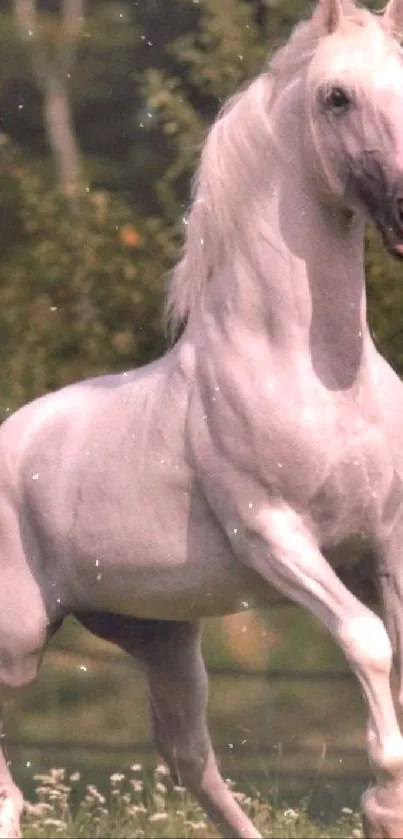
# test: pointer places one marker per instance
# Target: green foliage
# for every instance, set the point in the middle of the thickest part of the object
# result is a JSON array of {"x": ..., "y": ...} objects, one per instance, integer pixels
[
  {"x": 213, "y": 60},
  {"x": 80, "y": 290}
]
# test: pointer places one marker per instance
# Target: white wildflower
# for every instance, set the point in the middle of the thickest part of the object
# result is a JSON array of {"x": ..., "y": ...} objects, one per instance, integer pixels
[
  {"x": 290, "y": 814},
  {"x": 161, "y": 769}
]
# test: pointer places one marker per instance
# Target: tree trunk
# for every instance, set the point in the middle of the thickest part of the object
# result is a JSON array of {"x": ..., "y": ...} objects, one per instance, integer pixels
[{"x": 51, "y": 77}]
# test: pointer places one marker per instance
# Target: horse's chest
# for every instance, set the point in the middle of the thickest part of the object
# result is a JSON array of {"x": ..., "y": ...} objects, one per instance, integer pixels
[{"x": 356, "y": 489}]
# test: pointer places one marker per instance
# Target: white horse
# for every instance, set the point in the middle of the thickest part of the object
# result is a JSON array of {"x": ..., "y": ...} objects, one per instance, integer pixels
[{"x": 271, "y": 432}]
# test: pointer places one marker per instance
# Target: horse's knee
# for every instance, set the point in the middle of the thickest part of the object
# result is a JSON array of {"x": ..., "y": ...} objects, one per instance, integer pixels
[
  {"x": 366, "y": 643},
  {"x": 16, "y": 671},
  {"x": 20, "y": 655}
]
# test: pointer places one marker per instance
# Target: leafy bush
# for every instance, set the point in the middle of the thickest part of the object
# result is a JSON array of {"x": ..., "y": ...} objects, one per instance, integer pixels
[{"x": 80, "y": 286}]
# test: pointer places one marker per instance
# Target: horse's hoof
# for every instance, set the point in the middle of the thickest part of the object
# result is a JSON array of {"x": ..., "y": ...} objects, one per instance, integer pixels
[{"x": 383, "y": 813}]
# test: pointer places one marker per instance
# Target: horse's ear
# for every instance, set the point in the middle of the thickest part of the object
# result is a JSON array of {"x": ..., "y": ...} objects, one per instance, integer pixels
[
  {"x": 393, "y": 17},
  {"x": 329, "y": 14}
]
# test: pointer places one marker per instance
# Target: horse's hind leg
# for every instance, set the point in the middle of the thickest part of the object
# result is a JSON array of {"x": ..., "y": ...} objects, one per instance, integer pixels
[
  {"x": 23, "y": 634},
  {"x": 171, "y": 655},
  {"x": 178, "y": 695}
]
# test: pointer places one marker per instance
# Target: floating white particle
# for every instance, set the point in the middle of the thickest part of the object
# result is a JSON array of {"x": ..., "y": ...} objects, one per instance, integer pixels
[
  {"x": 82, "y": 667},
  {"x": 35, "y": 476}
]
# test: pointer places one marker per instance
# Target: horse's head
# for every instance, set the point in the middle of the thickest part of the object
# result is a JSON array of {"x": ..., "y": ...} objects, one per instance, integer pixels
[{"x": 354, "y": 111}]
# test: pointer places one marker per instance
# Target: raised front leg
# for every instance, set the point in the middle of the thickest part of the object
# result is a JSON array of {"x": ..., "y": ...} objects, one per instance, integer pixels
[{"x": 277, "y": 545}]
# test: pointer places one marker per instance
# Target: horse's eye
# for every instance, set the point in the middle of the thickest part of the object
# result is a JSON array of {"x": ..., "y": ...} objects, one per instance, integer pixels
[{"x": 337, "y": 99}]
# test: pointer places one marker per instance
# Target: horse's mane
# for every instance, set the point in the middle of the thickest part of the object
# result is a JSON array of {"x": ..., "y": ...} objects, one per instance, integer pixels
[{"x": 231, "y": 167}]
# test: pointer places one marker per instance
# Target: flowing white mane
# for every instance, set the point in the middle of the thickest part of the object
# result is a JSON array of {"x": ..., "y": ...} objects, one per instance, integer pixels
[{"x": 240, "y": 143}]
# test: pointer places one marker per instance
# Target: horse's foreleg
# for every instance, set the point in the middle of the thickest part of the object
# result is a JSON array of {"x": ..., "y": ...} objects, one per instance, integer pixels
[
  {"x": 283, "y": 553},
  {"x": 171, "y": 654}
]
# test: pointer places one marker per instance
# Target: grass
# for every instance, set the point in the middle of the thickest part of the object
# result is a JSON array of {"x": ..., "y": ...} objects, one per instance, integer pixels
[{"x": 136, "y": 807}]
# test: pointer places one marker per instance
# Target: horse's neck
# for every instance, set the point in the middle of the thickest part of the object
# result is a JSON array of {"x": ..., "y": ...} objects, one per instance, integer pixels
[{"x": 301, "y": 286}]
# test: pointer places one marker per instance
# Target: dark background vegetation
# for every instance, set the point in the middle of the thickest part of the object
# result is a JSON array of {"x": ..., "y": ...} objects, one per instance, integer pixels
[{"x": 103, "y": 107}]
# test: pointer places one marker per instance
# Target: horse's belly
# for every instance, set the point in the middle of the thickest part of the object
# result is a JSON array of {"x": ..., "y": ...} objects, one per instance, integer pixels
[
  {"x": 169, "y": 561},
  {"x": 163, "y": 585}
]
